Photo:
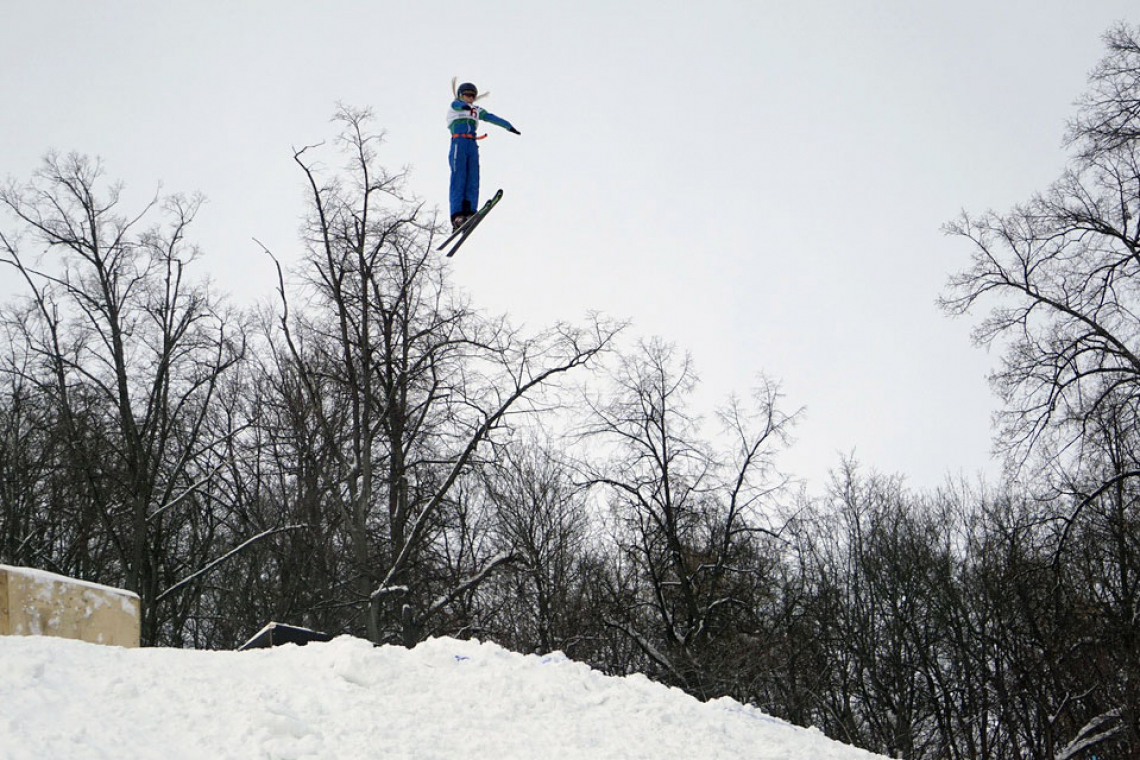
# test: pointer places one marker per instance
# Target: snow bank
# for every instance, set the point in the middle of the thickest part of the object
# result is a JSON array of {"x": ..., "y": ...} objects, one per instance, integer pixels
[{"x": 346, "y": 699}]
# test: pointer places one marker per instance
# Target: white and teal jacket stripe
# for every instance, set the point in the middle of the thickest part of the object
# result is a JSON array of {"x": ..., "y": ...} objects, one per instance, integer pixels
[
  {"x": 462, "y": 121},
  {"x": 462, "y": 118}
]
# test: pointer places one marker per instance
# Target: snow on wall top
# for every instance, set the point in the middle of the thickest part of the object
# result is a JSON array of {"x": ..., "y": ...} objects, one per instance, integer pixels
[{"x": 43, "y": 576}]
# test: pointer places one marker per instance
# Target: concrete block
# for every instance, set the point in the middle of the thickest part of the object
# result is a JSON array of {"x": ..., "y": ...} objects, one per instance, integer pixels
[{"x": 39, "y": 603}]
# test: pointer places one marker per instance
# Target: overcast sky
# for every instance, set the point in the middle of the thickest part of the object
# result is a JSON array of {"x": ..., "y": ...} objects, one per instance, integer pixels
[{"x": 762, "y": 183}]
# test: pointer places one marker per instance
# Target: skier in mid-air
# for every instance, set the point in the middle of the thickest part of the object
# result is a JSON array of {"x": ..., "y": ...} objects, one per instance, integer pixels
[{"x": 462, "y": 120}]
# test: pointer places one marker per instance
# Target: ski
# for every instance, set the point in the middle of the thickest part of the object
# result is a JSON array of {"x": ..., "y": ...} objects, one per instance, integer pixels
[
  {"x": 467, "y": 227},
  {"x": 457, "y": 232}
]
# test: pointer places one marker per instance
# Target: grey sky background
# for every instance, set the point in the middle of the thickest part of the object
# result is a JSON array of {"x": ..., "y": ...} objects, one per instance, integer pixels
[{"x": 762, "y": 183}]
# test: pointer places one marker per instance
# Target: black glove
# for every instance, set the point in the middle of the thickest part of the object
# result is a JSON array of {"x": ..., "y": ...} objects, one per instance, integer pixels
[{"x": 515, "y": 131}]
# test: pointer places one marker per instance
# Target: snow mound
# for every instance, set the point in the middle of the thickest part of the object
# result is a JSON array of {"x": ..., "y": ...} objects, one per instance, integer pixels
[{"x": 347, "y": 699}]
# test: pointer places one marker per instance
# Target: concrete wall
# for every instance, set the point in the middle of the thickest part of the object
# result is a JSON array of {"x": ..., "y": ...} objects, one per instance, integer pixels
[{"x": 37, "y": 603}]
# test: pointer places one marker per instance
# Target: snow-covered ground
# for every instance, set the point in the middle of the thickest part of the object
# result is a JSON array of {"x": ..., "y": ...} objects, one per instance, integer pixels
[{"x": 346, "y": 699}]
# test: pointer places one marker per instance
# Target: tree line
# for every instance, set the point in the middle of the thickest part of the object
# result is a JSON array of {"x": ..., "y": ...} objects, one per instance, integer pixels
[{"x": 370, "y": 454}]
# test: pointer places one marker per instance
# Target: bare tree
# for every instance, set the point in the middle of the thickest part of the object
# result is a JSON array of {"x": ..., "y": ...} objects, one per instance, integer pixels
[
  {"x": 1109, "y": 117},
  {"x": 1060, "y": 273},
  {"x": 405, "y": 383},
  {"x": 689, "y": 519},
  {"x": 29, "y": 454},
  {"x": 128, "y": 352},
  {"x": 541, "y": 516},
  {"x": 1060, "y": 276}
]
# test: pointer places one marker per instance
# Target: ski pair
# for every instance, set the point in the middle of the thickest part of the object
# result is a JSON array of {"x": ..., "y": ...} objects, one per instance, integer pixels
[{"x": 468, "y": 226}]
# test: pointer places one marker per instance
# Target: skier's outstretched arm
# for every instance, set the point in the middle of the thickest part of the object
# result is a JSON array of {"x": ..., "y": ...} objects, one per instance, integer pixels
[{"x": 485, "y": 115}]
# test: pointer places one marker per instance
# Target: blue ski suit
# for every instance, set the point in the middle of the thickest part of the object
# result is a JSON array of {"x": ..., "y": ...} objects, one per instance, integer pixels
[{"x": 462, "y": 120}]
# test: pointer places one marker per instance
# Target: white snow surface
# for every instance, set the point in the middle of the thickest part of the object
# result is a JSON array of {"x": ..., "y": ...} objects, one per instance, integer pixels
[{"x": 445, "y": 698}]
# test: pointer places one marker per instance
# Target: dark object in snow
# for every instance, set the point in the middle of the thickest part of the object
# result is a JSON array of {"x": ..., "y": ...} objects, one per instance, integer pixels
[{"x": 276, "y": 634}]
